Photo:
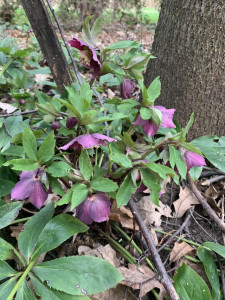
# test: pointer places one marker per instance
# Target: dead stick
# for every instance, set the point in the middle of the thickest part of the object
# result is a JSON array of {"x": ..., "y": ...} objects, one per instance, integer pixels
[
  {"x": 154, "y": 253},
  {"x": 206, "y": 206}
]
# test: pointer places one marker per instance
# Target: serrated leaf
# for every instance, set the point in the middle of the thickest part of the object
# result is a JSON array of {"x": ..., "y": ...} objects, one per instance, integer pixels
[
  {"x": 9, "y": 212},
  {"x": 177, "y": 160},
  {"x": 195, "y": 172},
  {"x": 85, "y": 165},
  {"x": 22, "y": 164},
  {"x": 189, "y": 285},
  {"x": 59, "y": 169},
  {"x": 211, "y": 271},
  {"x": 162, "y": 170},
  {"x": 91, "y": 274},
  {"x": 138, "y": 61},
  {"x": 190, "y": 147},
  {"x": 96, "y": 29},
  {"x": 6, "y": 288},
  {"x": 156, "y": 116},
  {"x": 189, "y": 124},
  {"x": 121, "y": 159},
  {"x": 80, "y": 192},
  {"x": 24, "y": 292},
  {"x": 154, "y": 89},
  {"x": 151, "y": 181},
  {"x": 47, "y": 148},
  {"x": 46, "y": 293},
  {"x": 145, "y": 113},
  {"x": 104, "y": 185},
  {"x": 6, "y": 250},
  {"x": 217, "y": 248},
  {"x": 6, "y": 271},
  {"x": 122, "y": 45},
  {"x": 29, "y": 143},
  {"x": 56, "y": 232},
  {"x": 33, "y": 227},
  {"x": 86, "y": 30},
  {"x": 125, "y": 190}
]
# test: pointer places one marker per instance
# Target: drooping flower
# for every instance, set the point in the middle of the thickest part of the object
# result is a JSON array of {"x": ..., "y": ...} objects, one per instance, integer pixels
[
  {"x": 150, "y": 128},
  {"x": 88, "y": 141},
  {"x": 95, "y": 208},
  {"x": 30, "y": 186},
  {"x": 88, "y": 56},
  {"x": 22, "y": 102},
  {"x": 55, "y": 125},
  {"x": 127, "y": 88},
  {"x": 192, "y": 159},
  {"x": 71, "y": 122}
]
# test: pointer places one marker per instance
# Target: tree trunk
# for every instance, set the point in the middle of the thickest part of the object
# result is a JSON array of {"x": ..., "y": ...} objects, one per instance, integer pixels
[
  {"x": 190, "y": 48},
  {"x": 48, "y": 41}
]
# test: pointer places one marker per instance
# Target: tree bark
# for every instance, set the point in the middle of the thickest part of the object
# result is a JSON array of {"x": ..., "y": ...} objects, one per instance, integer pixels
[
  {"x": 48, "y": 41},
  {"x": 190, "y": 48}
]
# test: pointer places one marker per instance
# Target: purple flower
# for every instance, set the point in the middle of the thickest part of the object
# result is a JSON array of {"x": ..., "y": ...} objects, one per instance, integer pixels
[
  {"x": 88, "y": 141},
  {"x": 30, "y": 186},
  {"x": 127, "y": 88},
  {"x": 88, "y": 56},
  {"x": 150, "y": 128},
  {"x": 71, "y": 122},
  {"x": 95, "y": 208},
  {"x": 22, "y": 101},
  {"x": 192, "y": 159},
  {"x": 55, "y": 125}
]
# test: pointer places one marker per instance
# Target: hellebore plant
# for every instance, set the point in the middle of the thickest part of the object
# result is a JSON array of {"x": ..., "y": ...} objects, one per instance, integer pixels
[{"x": 127, "y": 88}]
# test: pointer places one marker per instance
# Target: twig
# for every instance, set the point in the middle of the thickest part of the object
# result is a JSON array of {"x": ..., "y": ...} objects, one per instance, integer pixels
[
  {"x": 155, "y": 255},
  {"x": 205, "y": 205},
  {"x": 19, "y": 114},
  {"x": 175, "y": 233},
  {"x": 213, "y": 179}
]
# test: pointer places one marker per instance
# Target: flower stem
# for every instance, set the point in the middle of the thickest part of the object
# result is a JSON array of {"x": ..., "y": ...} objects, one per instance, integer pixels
[
  {"x": 20, "y": 220},
  {"x": 20, "y": 281}
]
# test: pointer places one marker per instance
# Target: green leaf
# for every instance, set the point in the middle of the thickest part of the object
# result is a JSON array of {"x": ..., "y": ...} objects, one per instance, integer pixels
[
  {"x": 138, "y": 61},
  {"x": 189, "y": 124},
  {"x": 86, "y": 30},
  {"x": 22, "y": 164},
  {"x": 151, "y": 181},
  {"x": 24, "y": 292},
  {"x": 190, "y": 147},
  {"x": 96, "y": 29},
  {"x": 189, "y": 285},
  {"x": 85, "y": 165},
  {"x": 156, "y": 116},
  {"x": 154, "y": 89},
  {"x": 6, "y": 271},
  {"x": 59, "y": 169},
  {"x": 78, "y": 274},
  {"x": 56, "y": 232},
  {"x": 195, "y": 172},
  {"x": 47, "y": 148},
  {"x": 9, "y": 212},
  {"x": 33, "y": 228},
  {"x": 6, "y": 288},
  {"x": 177, "y": 159},
  {"x": 5, "y": 187},
  {"x": 14, "y": 150},
  {"x": 121, "y": 159},
  {"x": 121, "y": 45},
  {"x": 46, "y": 293},
  {"x": 217, "y": 248},
  {"x": 29, "y": 143},
  {"x": 162, "y": 170},
  {"x": 80, "y": 192},
  {"x": 145, "y": 113},
  {"x": 213, "y": 148},
  {"x": 104, "y": 185},
  {"x": 125, "y": 190},
  {"x": 211, "y": 271},
  {"x": 6, "y": 250}
]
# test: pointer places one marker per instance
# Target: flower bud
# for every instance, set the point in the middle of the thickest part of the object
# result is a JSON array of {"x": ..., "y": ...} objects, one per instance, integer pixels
[
  {"x": 71, "y": 122},
  {"x": 127, "y": 88},
  {"x": 22, "y": 101},
  {"x": 55, "y": 125}
]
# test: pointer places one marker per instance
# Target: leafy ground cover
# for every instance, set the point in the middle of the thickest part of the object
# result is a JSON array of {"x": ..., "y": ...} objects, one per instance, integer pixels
[{"x": 83, "y": 175}]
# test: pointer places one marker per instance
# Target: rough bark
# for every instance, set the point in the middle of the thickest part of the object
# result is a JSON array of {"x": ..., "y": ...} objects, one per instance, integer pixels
[
  {"x": 190, "y": 48},
  {"x": 48, "y": 41}
]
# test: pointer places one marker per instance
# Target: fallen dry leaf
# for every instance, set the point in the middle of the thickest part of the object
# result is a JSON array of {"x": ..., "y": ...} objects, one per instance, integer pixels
[
  {"x": 179, "y": 250},
  {"x": 185, "y": 201},
  {"x": 152, "y": 213},
  {"x": 8, "y": 107},
  {"x": 105, "y": 252},
  {"x": 110, "y": 94},
  {"x": 16, "y": 230},
  {"x": 141, "y": 278},
  {"x": 116, "y": 293}
]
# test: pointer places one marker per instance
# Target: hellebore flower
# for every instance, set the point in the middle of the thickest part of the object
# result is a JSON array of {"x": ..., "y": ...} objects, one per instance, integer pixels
[
  {"x": 71, "y": 122},
  {"x": 22, "y": 102},
  {"x": 127, "y": 88},
  {"x": 55, "y": 125},
  {"x": 88, "y": 141},
  {"x": 88, "y": 56},
  {"x": 150, "y": 128},
  {"x": 192, "y": 159},
  {"x": 30, "y": 186},
  {"x": 95, "y": 208}
]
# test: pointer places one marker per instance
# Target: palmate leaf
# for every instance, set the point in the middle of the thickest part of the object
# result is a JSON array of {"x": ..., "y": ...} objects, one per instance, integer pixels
[{"x": 79, "y": 275}]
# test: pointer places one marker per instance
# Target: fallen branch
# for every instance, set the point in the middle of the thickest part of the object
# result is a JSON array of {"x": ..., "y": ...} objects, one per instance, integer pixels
[
  {"x": 205, "y": 205},
  {"x": 164, "y": 278}
]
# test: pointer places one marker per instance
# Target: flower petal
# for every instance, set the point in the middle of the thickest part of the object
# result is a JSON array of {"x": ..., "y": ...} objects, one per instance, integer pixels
[
  {"x": 103, "y": 137},
  {"x": 39, "y": 195},
  {"x": 167, "y": 116},
  {"x": 100, "y": 207},
  {"x": 140, "y": 121},
  {"x": 83, "y": 210},
  {"x": 69, "y": 145},
  {"x": 23, "y": 189},
  {"x": 87, "y": 141},
  {"x": 193, "y": 159},
  {"x": 28, "y": 174}
]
